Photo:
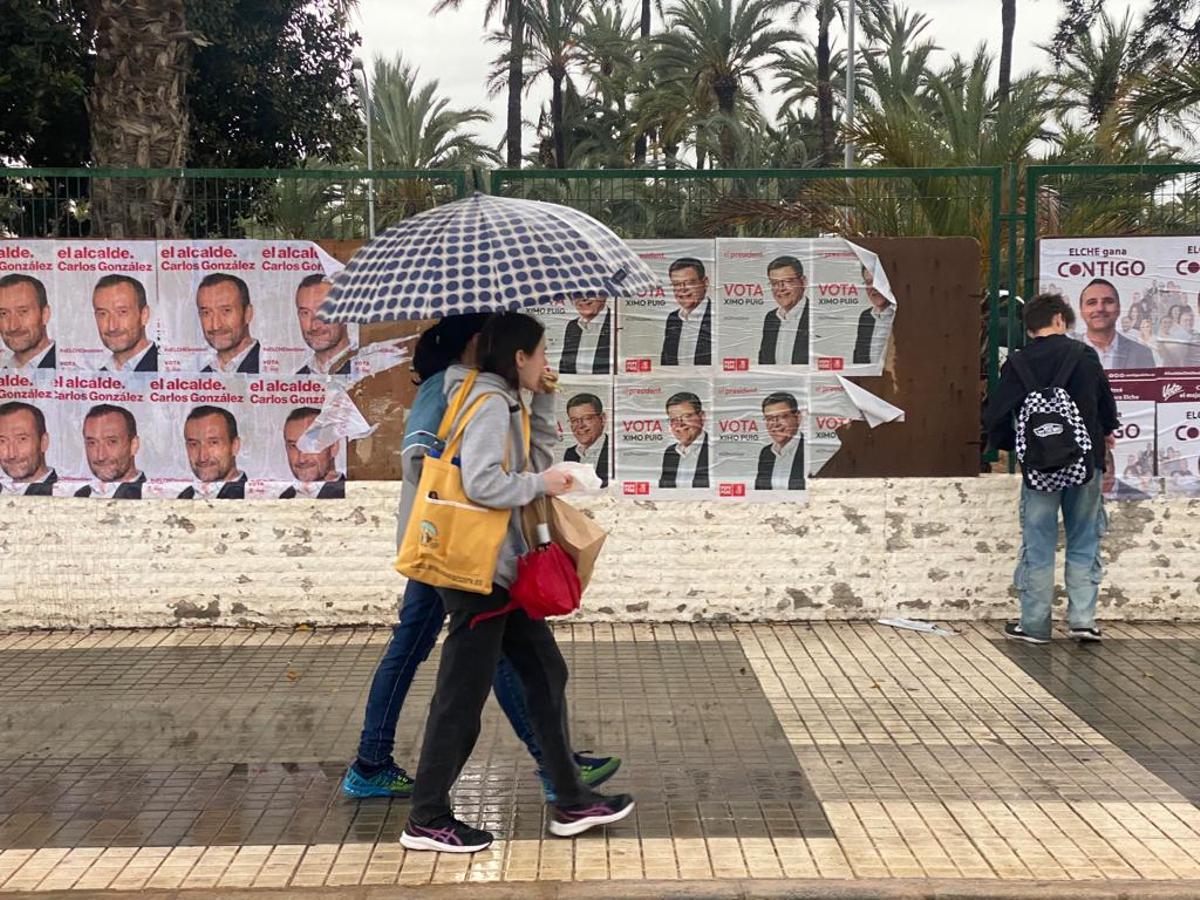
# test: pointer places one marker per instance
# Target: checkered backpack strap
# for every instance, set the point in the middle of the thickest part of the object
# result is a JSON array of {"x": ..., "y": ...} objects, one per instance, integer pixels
[{"x": 1052, "y": 441}]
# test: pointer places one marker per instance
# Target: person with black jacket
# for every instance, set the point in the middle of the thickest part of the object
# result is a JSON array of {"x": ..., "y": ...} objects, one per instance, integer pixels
[{"x": 1048, "y": 318}]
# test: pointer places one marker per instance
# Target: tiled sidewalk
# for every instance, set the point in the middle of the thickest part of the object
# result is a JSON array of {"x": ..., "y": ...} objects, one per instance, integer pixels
[{"x": 173, "y": 759}]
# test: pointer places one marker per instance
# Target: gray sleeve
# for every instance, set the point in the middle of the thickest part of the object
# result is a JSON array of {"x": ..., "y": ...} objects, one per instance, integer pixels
[
  {"x": 544, "y": 430},
  {"x": 482, "y": 454}
]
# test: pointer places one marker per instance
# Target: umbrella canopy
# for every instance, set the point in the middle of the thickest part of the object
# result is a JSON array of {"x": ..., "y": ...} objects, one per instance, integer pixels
[{"x": 483, "y": 254}]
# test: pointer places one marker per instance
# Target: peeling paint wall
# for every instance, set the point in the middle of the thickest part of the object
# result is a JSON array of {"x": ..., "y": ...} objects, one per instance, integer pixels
[{"x": 862, "y": 548}]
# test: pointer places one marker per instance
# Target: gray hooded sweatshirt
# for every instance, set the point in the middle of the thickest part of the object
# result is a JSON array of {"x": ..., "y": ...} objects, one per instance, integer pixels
[{"x": 485, "y": 480}]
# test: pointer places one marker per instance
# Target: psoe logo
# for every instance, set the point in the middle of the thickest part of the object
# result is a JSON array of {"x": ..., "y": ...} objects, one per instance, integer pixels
[
  {"x": 1048, "y": 430},
  {"x": 1170, "y": 390},
  {"x": 429, "y": 534}
]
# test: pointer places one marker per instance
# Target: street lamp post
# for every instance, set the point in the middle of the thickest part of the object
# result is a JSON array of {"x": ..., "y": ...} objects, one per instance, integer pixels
[
  {"x": 357, "y": 66},
  {"x": 849, "y": 162}
]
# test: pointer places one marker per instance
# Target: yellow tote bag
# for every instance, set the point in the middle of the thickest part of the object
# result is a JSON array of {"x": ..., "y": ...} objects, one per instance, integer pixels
[{"x": 451, "y": 541}]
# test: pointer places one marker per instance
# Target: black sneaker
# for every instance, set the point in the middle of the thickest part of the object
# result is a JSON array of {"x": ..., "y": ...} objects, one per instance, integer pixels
[
  {"x": 453, "y": 837},
  {"x": 571, "y": 820},
  {"x": 1086, "y": 635},
  {"x": 1013, "y": 631}
]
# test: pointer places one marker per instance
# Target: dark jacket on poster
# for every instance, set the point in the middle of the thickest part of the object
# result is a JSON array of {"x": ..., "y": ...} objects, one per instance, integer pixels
[
  {"x": 770, "y": 337},
  {"x": 572, "y": 335},
  {"x": 766, "y": 468},
  {"x": 230, "y": 490},
  {"x": 50, "y": 360},
  {"x": 128, "y": 490},
  {"x": 43, "y": 488},
  {"x": 148, "y": 362},
  {"x": 343, "y": 369},
  {"x": 670, "y": 347},
  {"x": 248, "y": 366},
  {"x": 330, "y": 490},
  {"x": 862, "y": 343},
  {"x": 670, "y": 468},
  {"x": 1088, "y": 387},
  {"x": 572, "y": 455}
]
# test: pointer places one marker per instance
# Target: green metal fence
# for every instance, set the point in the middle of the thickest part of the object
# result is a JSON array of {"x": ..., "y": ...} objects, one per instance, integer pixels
[{"x": 215, "y": 203}]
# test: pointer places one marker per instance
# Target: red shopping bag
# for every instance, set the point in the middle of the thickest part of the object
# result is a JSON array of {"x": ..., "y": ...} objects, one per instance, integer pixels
[{"x": 546, "y": 585}]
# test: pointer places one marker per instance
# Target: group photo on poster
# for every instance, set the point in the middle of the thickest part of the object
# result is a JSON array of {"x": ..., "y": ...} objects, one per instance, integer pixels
[
  {"x": 583, "y": 409},
  {"x": 674, "y": 325},
  {"x": 1178, "y": 420},
  {"x": 764, "y": 303},
  {"x": 1131, "y": 469},
  {"x": 853, "y": 310},
  {"x": 760, "y": 434},
  {"x": 664, "y": 446}
]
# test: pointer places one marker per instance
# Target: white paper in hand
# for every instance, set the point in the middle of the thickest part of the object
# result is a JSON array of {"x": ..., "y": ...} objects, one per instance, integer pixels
[{"x": 584, "y": 479}]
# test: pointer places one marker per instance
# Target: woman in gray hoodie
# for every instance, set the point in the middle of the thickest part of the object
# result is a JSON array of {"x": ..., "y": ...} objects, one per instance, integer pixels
[{"x": 512, "y": 357}]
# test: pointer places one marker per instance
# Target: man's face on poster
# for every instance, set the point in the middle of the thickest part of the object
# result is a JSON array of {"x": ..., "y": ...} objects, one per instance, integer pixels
[
  {"x": 783, "y": 422},
  {"x": 110, "y": 448},
  {"x": 23, "y": 320},
  {"x": 787, "y": 286},
  {"x": 590, "y": 306},
  {"x": 211, "y": 452},
  {"x": 226, "y": 322},
  {"x": 587, "y": 425},
  {"x": 320, "y": 336},
  {"x": 1100, "y": 307},
  {"x": 120, "y": 321},
  {"x": 878, "y": 300},
  {"x": 306, "y": 466},
  {"x": 22, "y": 449},
  {"x": 686, "y": 422},
  {"x": 689, "y": 286}
]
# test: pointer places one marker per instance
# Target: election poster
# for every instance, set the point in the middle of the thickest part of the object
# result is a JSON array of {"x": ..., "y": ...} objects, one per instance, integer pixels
[
  {"x": 675, "y": 324},
  {"x": 761, "y": 425},
  {"x": 664, "y": 444},
  {"x": 1130, "y": 467},
  {"x": 830, "y": 408},
  {"x": 763, "y": 304},
  {"x": 249, "y": 308},
  {"x": 1179, "y": 433},
  {"x": 583, "y": 409},
  {"x": 853, "y": 308},
  {"x": 580, "y": 333},
  {"x": 87, "y": 305},
  {"x": 1135, "y": 298},
  {"x": 31, "y": 452}
]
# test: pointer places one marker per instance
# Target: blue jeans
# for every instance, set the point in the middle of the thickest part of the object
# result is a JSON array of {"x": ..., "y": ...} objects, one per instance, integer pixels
[
  {"x": 1085, "y": 522},
  {"x": 421, "y": 618}
]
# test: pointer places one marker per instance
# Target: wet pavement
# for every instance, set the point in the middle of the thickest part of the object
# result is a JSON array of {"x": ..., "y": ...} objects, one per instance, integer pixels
[{"x": 212, "y": 758}]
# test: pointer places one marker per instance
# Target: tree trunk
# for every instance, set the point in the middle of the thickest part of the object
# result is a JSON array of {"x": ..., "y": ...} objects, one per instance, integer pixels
[
  {"x": 825, "y": 83},
  {"x": 1008, "y": 24},
  {"x": 138, "y": 116},
  {"x": 556, "y": 121},
  {"x": 639, "y": 145},
  {"x": 516, "y": 78},
  {"x": 726, "y": 94}
]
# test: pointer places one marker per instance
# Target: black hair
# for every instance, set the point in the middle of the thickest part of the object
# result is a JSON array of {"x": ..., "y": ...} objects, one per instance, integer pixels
[
  {"x": 217, "y": 278},
  {"x": 112, "y": 280},
  {"x": 504, "y": 334},
  {"x": 1040, "y": 312},
  {"x": 16, "y": 278},
  {"x": 781, "y": 397},
  {"x": 1103, "y": 281},
  {"x": 16, "y": 406},
  {"x": 441, "y": 346},
  {"x": 201, "y": 412},
  {"x": 311, "y": 280},
  {"x": 105, "y": 409},
  {"x": 791, "y": 262},
  {"x": 590, "y": 399},
  {"x": 686, "y": 262},
  {"x": 685, "y": 397},
  {"x": 301, "y": 412}
]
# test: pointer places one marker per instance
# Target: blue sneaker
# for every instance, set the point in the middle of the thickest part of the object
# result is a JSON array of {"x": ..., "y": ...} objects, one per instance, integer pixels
[
  {"x": 593, "y": 772},
  {"x": 391, "y": 781}
]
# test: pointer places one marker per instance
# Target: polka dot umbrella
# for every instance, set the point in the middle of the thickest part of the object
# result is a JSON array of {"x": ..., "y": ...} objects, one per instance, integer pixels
[{"x": 483, "y": 254}]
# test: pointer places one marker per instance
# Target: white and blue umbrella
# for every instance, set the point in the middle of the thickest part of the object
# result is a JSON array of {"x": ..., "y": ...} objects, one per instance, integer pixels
[{"x": 483, "y": 254}]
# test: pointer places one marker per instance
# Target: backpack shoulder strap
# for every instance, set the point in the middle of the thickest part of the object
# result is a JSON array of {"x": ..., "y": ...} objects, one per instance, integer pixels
[
  {"x": 1067, "y": 366},
  {"x": 1024, "y": 373}
]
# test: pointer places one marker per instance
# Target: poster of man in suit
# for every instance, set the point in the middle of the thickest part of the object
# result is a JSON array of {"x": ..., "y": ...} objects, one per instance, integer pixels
[
  {"x": 674, "y": 325},
  {"x": 580, "y": 332},
  {"x": 760, "y": 424},
  {"x": 25, "y": 441},
  {"x": 663, "y": 441},
  {"x": 583, "y": 407},
  {"x": 853, "y": 309},
  {"x": 764, "y": 304}
]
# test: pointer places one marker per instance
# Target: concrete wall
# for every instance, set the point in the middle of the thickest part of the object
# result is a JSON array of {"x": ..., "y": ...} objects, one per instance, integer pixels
[{"x": 862, "y": 548}]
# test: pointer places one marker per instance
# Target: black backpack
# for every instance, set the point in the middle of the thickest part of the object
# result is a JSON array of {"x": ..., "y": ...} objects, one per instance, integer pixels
[{"x": 1053, "y": 443}]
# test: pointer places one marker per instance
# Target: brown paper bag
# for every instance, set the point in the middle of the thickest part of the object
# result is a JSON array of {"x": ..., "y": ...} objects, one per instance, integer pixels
[{"x": 570, "y": 529}]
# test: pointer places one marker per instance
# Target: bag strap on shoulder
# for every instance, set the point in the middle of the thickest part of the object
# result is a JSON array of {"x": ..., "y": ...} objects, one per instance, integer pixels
[
  {"x": 452, "y": 445},
  {"x": 456, "y": 404},
  {"x": 1067, "y": 366}
]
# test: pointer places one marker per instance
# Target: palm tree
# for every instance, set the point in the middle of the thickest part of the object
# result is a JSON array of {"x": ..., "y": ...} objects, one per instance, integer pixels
[
  {"x": 1094, "y": 73},
  {"x": 641, "y": 143},
  {"x": 721, "y": 47},
  {"x": 138, "y": 114},
  {"x": 1169, "y": 94},
  {"x": 1008, "y": 26},
  {"x": 512, "y": 13}
]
